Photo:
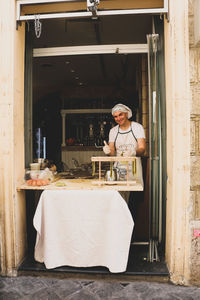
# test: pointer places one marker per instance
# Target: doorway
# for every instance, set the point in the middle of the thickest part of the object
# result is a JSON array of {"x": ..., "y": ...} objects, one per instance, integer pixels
[{"x": 85, "y": 85}]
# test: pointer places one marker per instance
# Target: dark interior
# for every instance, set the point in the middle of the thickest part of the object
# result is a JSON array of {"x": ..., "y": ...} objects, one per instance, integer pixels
[{"x": 89, "y": 81}]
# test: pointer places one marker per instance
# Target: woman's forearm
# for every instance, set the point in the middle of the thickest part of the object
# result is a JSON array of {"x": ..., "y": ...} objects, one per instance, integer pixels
[{"x": 140, "y": 152}]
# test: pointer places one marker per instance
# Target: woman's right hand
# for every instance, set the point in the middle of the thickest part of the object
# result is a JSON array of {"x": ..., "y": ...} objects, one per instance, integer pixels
[{"x": 106, "y": 148}]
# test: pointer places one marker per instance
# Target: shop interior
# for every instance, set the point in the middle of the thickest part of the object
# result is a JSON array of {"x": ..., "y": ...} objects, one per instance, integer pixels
[{"x": 89, "y": 82}]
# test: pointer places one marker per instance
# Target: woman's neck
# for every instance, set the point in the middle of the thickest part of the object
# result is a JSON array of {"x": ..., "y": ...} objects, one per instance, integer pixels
[{"x": 126, "y": 125}]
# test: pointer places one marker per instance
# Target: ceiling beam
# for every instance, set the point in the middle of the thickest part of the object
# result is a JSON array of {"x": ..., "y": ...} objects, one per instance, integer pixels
[{"x": 94, "y": 49}]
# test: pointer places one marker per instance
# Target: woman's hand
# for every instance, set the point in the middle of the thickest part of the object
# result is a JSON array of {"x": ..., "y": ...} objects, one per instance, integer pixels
[{"x": 106, "y": 148}]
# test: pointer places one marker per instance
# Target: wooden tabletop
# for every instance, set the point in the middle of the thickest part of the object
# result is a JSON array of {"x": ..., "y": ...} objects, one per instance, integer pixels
[{"x": 85, "y": 184}]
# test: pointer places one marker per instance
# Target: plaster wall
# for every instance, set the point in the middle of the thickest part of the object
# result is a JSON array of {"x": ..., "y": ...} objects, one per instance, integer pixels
[
  {"x": 194, "y": 56},
  {"x": 178, "y": 208}
]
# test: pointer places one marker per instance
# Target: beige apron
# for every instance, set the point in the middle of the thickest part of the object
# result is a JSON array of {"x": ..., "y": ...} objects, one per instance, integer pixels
[{"x": 124, "y": 142}]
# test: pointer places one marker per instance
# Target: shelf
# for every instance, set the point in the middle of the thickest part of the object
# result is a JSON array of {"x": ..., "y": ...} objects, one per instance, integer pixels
[
  {"x": 81, "y": 148},
  {"x": 85, "y": 111}
]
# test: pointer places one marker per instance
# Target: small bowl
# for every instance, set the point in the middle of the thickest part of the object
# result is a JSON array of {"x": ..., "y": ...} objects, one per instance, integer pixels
[{"x": 35, "y": 166}]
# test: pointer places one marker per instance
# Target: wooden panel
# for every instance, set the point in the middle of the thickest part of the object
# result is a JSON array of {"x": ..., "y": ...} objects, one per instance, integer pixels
[{"x": 78, "y": 6}]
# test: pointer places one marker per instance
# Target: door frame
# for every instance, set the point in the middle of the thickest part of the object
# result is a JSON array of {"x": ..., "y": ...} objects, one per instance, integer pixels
[{"x": 20, "y": 17}]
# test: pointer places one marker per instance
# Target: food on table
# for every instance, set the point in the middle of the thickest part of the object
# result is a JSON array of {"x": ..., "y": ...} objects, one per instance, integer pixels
[
  {"x": 60, "y": 184},
  {"x": 38, "y": 177},
  {"x": 37, "y": 182}
]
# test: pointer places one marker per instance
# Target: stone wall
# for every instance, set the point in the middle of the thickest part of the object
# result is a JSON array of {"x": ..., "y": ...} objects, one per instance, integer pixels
[{"x": 195, "y": 144}]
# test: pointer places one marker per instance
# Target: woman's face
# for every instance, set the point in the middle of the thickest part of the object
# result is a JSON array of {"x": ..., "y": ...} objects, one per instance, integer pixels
[{"x": 120, "y": 117}]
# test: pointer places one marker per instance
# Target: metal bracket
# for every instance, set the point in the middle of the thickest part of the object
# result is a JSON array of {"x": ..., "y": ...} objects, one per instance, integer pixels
[
  {"x": 38, "y": 26},
  {"x": 92, "y": 7},
  {"x": 168, "y": 13},
  {"x": 168, "y": 16}
]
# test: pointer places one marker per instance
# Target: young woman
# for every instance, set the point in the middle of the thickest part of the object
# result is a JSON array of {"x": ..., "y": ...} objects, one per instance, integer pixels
[{"x": 127, "y": 138}]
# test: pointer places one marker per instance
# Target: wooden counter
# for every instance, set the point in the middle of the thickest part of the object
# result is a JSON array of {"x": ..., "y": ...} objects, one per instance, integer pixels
[{"x": 83, "y": 184}]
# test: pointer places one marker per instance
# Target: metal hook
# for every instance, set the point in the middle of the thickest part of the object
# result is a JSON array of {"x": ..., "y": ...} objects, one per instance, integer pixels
[{"x": 38, "y": 26}]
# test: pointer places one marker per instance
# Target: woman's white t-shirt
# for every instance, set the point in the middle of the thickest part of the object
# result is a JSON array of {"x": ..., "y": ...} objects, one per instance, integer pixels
[{"x": 137, "y": 129}]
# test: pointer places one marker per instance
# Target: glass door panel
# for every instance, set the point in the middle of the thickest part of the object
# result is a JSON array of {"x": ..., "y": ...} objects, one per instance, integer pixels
[{"x": 155, "y": 147}]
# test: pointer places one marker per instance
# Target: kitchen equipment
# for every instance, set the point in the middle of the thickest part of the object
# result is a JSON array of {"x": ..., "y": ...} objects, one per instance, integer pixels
[
  {"x": 91, "y": 131},
  {"x": 35, "y": 166},
  {"x": 39, "y": 174},
  {"x": 122, "y": 174},
  {"x": 111, "y": 175},
  {"x": 113, "y": 172},
  {"x": 43, "y": 162}
]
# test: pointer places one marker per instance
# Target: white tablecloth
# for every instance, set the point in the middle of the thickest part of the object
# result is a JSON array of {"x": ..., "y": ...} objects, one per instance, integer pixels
[{"x": 83, "y": 229}]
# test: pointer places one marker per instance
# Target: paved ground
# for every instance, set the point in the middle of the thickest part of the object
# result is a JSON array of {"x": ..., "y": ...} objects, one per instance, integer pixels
[{"x": 38, "y": 288}]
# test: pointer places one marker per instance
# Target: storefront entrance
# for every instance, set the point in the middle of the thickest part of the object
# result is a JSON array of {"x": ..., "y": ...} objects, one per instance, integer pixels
[
  {"x": 89, "y": 80},
  {"x": 180, "y": 206}
]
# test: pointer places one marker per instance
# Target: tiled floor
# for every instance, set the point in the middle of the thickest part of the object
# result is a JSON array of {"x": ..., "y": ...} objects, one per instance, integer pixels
[{"x": 39, "y": 288}]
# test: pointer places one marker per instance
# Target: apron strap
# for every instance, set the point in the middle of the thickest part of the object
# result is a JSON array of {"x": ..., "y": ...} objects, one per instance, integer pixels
[
  {"x": 116, "y": 137},
  {"x": 133, "y": 133}
]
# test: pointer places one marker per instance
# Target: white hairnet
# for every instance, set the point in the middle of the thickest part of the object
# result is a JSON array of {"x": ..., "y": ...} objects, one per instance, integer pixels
[{"x": 123, "y": 108}]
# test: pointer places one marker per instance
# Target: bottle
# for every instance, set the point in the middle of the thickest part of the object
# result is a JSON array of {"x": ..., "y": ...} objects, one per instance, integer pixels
[{"x": 91, "y": 135}]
